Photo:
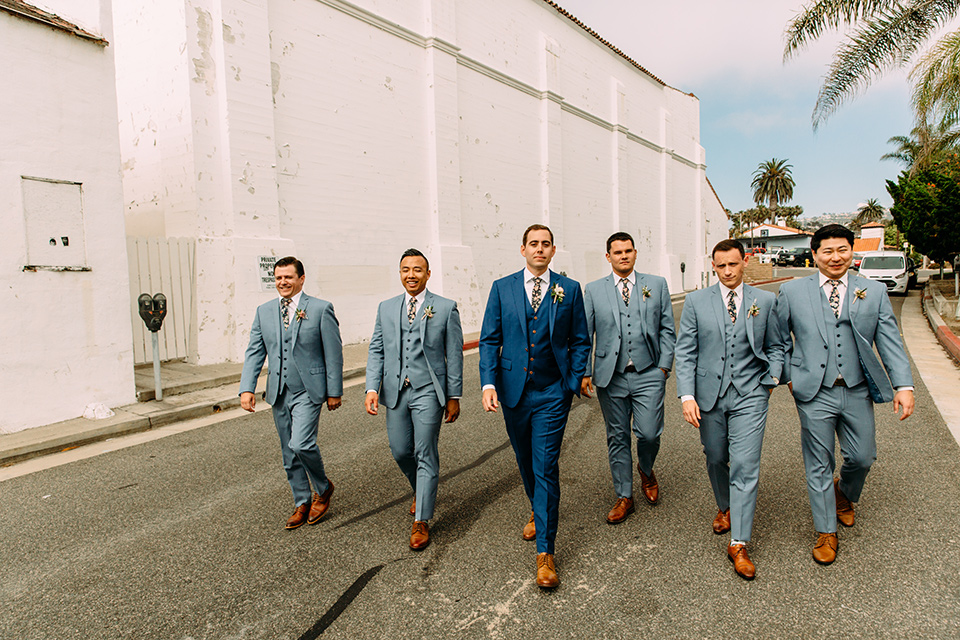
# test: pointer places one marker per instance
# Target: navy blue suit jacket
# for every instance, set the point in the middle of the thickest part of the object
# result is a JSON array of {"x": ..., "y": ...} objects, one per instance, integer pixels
[{"x": 504, "y": 342}]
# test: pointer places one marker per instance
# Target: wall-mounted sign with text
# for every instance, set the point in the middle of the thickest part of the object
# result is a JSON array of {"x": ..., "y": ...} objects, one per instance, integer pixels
[{"x": 266, "y": 272}]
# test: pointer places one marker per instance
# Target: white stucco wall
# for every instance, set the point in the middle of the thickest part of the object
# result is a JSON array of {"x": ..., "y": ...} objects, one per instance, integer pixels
[
  {"x": 66, "y": 335},
  {"x": 345, "y": 133}
]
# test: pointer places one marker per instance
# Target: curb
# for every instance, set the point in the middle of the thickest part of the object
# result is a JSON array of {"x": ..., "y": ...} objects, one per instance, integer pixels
[{"x": 945, "y": 336}]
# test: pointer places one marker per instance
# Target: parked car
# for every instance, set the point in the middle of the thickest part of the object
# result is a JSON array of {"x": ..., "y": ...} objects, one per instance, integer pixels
[
  {"x": 795, "y": 258},
  {"x": 892, "y": 268}
]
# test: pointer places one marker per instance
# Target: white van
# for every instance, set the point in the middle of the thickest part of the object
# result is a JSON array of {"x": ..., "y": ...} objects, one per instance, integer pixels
[{"x": 889, "y": 267}]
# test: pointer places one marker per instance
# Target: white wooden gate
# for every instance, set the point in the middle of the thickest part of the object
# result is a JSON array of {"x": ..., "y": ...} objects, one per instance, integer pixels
[{"x": 167, "y": 266}]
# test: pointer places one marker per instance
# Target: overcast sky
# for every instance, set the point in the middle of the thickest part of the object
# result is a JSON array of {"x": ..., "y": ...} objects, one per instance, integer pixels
[{"x": 753, "y": 107}]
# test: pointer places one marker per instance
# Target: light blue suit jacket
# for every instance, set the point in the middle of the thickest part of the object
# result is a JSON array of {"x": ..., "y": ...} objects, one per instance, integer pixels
[
  {"x": 701, "y": 344},
  {"x": 504, "y": 342},
  {"x": 442, "y": 340},
  {"x": 317, "y": 349},
  {"x": 800, "y": 311},
  {"x": 600, "y": 299}
]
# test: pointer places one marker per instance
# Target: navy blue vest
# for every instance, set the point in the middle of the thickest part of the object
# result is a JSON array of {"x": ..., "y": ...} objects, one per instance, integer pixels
[{"x": 541, "y": 368}]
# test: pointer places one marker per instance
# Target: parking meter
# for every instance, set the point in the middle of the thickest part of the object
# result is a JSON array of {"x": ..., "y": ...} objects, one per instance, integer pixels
[
  {"x": 152, "y": 310},
  {"x": 683, "y": 267}
]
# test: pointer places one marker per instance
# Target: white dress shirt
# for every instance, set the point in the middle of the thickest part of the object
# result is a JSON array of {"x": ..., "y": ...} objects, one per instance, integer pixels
[
  {"x": 631, "y": 283},
  {"x": 544, "y": 285}
]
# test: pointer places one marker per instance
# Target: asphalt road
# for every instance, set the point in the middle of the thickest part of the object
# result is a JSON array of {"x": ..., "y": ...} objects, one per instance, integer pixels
[{"x": 182, "y": 538}]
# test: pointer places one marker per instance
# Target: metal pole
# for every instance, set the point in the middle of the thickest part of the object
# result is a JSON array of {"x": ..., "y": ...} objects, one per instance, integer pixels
[{"x": 156, "y": 365}]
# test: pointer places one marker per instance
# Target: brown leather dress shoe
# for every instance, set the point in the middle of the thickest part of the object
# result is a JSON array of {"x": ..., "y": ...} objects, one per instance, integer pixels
[
  {"x": 546, "y": 571},
  {"x": 721, "y": 524},
  {"x": 844, "y": 506},
  {"x": 530, "y": 529},
  {"x": 413, "y": 507},
  {"x": 420, "y": 536},
  {"x": 825, "y": 551},
  {"x": 649, "y": 486},
  {"x": 299, "y": 516},
  {"x": 620, "y": 511},
  {"x": 320, "y": 504},
  {"x": 741, "y": 561}
]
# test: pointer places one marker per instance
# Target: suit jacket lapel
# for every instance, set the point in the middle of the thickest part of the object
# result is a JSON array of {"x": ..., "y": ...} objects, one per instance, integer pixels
[
  {"x": 849, "y": 300},
  {"x": 279, "y": 320},
  {"x": 641, "y": 301},
  {"x": 304, "y": 301},
  {"x": 399, "y": 315},
  {"x": 520, "y": 300},
  {"x": 749, "y": 298},
  {"x": 816, "y": 304},
  {"x": 554, "y": 281},
  {"x": 612, "y": 298},
  {"x": 427, "y": 301},
  {"x": 720, "y": 311}
]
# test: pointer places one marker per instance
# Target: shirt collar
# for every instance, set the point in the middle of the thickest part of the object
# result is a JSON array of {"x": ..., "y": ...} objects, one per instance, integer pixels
[
  {"x": 824, "y": 279},
  {"x": 725, "y": 290},
  {"x": 295, "y": 300},
  {"x": 528, "y": 276},
  {"x": 632, "y": 278},
  {"x": 420, "y": 298}
]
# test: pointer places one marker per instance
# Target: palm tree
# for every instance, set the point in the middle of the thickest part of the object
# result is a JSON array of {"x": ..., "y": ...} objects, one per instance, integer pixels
[
  {"x": 773, "y": 183},
  {"x": 925, "y": 145},
  {"x": 882, "y": 35},
  {"x": 870, "y": 211}
]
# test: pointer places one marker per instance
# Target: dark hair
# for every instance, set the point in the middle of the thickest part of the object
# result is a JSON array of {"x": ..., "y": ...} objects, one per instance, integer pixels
[
  {"x": 728, "y": 245},
  {"x": 536, "y": 227},
  {"x": 620, "y": 236},
  {"x": 830, "y": 231},
  {"x": 286, "y": 262},
  {"x": 410, "y": 253}
]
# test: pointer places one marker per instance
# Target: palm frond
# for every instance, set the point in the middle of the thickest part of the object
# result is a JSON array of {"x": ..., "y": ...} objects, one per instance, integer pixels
[
  {"x": 828, "y": 15},
  {"x": 936, "y": 79}
]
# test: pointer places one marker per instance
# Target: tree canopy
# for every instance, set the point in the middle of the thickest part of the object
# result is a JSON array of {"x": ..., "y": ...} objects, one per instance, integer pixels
[
  {"x": 926, "y": 208},
  {"x": 773, "y": 183}
]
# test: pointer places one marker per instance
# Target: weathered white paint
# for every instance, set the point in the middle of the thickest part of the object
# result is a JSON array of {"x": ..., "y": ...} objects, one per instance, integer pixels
[
  {"x": 346, "y": 132},
  {"x": 66, "y": 336}
]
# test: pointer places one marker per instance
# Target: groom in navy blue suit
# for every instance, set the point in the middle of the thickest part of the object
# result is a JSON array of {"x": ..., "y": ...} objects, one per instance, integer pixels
[{"x": 534, "y": 348}]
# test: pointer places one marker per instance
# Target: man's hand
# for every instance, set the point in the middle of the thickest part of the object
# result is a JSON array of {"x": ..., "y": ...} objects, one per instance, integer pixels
[
  {"x": 691, "y": 412},
  {"x": 333, "y": 403},
  {"x": 372, "y": 402},
  {"x": 490, "y": 400},
  {"x": 452, "y": 410},
  {"x": 586, "y": 387},
  {"x": 248, "y": 401},
  {"x": 903, "y": 399}
]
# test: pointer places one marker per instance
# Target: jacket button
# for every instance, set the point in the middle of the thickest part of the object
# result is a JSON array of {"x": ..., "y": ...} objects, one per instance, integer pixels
[{"x": 823, "y": 366}]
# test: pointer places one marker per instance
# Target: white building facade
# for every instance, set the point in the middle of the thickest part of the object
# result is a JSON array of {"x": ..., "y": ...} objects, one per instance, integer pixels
[
  {"x": 63, "y": 270},
  {"x": 346, "y": 132}
]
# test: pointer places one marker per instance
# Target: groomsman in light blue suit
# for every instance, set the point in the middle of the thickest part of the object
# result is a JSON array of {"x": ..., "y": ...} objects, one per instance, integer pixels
[
  {"x": 837, "y": 318},
  {"x": 631, "y": 315},
  {"x": 301, "y": 337},
  {"x": 729, "y": 360},
  {"x": 415, "y": 362},
  {"x": 533, "y": 354}
]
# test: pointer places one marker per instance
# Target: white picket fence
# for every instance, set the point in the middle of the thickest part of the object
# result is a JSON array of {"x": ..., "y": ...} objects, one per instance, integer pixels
[{"x": 167, "y": 266}]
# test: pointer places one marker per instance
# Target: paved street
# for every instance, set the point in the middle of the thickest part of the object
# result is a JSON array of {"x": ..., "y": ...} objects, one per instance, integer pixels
[{"x": 183, "y": 538}]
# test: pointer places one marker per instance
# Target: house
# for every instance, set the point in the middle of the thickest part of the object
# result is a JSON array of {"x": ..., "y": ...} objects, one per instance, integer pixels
[{"x": 774, "y": 237}]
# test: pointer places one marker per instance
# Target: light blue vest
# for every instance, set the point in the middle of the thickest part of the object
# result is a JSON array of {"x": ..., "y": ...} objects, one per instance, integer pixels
[
  {"x": 633, "y": 346},
  {"x": 290, "y": 376},
  {"x": 842, "y": 358},
  {"x": 741, "y": 367},
  {"x": 413, "y": 363}
]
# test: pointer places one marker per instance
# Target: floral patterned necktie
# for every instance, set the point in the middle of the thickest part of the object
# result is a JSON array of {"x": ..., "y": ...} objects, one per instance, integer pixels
[
  {"x": 537, "y": 296},
  {"x": 412, "y": 310},
  {"x": 625, "y": 292},
  {"x": 732, "y": 306},
  {"x": 285, "y": 311},
  {"x": 834, "y": 298}
]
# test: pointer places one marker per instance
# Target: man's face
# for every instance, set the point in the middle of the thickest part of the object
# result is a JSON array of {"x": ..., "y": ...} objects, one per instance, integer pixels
[
  {"x": 414, "y": 274},
  {"x": 834, "y": 257},
  {"x": 729, "y": 267},
  {"x": 288, "y": 282},
  {"x": 538, "y": 251},
  {"x": 622, "y": 257}
]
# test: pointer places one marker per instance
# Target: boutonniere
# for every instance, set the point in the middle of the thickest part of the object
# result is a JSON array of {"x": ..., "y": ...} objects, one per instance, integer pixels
[
  {"x": 300, "y": 314},
  {"x": 427, "y": 312},
  {"x": 646, "y": 292},
  {"x": 556, "y": 292},
  {"x": 753, "y": 310},
  {"x": 860, "y": 294}
]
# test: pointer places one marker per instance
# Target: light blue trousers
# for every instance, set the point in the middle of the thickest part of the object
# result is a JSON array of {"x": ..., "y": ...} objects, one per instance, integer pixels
[
  {"x": 413, "y": 429},
  {"x": 296, "y": 417}
]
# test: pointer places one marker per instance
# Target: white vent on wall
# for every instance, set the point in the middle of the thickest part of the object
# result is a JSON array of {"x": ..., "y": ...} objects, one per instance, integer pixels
[{"x": 53, "y": 211}]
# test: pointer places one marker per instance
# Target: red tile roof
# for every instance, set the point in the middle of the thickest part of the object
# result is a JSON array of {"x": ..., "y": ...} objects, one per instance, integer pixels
[
  {"x": 27, "y": 11},
  {"x": 866, "y": 244},
  {"x": 873, "y": 224}
]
